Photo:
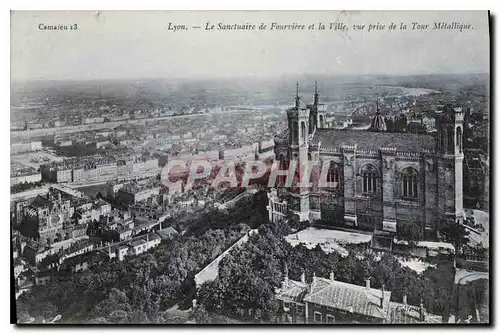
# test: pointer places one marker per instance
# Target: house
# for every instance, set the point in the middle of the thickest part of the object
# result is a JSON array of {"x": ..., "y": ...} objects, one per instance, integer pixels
[
  {"x": 141, "y": 245},
  {"x": 167, "y": 233},
  {"x": 124, "y": 233},
  {"x": 76, "y": 263},
  {"x": 138, "y": 247},
  {"x": 121, "y": 252},
  {"x": 407, "y": 314},
  {"x": 34, "y": 252},
  {"x": 153, "y": 240},
  {"x": 44, "y": 277},
  {"x": 328, "y": 301}
]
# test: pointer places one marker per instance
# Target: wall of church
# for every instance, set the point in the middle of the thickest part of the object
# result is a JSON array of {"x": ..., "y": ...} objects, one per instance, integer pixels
[
  {"x": 431, "y": 193},
  {"x": 369, "y": 208}
]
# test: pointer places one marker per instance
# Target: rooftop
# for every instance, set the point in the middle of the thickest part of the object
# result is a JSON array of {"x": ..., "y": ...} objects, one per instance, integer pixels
[
  {"x": 349, "y": 297},
  {"x": 137, "y": 242},
  {"x": 406, "y": 314},
  {"x": 374, "y": 140},
  {"x": 167, "y": 232}
]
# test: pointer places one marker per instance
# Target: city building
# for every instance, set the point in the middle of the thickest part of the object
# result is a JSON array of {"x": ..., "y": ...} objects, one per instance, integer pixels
[
  {"x": 25, "y": 147},
  {"x": 45, "y": 216},
  {"x": 23, "y": 174},
  {"x": 135, "y": 192}
]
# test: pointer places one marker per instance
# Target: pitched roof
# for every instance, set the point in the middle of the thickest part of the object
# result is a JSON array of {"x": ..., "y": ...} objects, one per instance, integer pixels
[
  {"x": 343, "y": 296},
  {"x": 350, "y": 298},
  {"x": 406, "y": 314},
  {"x": 167, "y": 232},
  {"x": 374, "y": 140},
  {"x": 292, "y": 291},
  {"x": 40, "y": 202},
  {"x": 137, "y": 242}
]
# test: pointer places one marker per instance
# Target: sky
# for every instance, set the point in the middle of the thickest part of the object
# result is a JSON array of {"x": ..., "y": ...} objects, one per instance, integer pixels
[{"x": 137, "y": 45}]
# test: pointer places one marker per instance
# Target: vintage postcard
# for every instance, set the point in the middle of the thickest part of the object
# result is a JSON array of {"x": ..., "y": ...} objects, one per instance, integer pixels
[{"x": 250, "y": 167}]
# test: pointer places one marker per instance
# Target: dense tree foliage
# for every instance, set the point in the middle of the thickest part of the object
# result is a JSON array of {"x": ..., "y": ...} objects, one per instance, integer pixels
[
  {"x": 139, "y": 289},
  {"x": 249, "y": 275},
  {"x": 410, "y": 231},
  {"x": 23, "y": 186},
  {"x": 456, "y": 234}
]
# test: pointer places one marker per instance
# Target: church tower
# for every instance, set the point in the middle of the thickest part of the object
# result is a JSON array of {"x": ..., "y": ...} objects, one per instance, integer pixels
[
  {"x": 313, "y": 123},
  {"x": 318, "y": 112},
  {"x": 450, "y": 156},
  {"x": 298, "y": 136}
]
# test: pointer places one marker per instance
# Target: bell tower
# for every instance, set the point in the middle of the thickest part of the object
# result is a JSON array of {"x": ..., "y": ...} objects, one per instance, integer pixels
[
  {"x": 298, "y": 138},
  {"x": 298, "y": 123},
  {"x": 313, "y": 123},
  {"x": 317, "y": 112},
  {"x": 450, "y": 156}
]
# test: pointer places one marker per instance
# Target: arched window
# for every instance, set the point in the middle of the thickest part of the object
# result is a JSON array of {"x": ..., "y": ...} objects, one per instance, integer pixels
[
  {"x": 451, "y": 144},
  {"x": 459, "y": 139},
  {"x": 369, "y": 181},
  {"x": 410, "y": 183},
  {"x": 303, "y": 132},
  {"x": 321, "y": 121}
]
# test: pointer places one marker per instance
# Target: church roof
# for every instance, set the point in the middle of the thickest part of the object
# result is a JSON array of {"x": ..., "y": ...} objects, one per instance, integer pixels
[
  {"x": 40, "y": 202},
  {"x": 374, "y": 140},
  {"x": 378, "y": 123}
]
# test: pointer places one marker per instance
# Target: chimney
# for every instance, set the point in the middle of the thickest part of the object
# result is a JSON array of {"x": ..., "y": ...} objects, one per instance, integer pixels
[
  {"x": 332, "y": 276},
  {"x": 368, "y": 283},
  {"x": 422, "y": 311},
  {"x": 405, "y": 299},
  {"x": 303, "y": 278},
  {"x": 383, "y": 297}
]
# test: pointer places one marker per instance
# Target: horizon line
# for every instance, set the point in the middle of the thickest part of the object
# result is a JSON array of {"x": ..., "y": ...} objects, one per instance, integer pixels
[{"x": 222, "y": 78}]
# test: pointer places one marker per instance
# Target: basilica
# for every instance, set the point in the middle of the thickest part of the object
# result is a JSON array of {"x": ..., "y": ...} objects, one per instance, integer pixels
[{"x": 382, "y": 180}]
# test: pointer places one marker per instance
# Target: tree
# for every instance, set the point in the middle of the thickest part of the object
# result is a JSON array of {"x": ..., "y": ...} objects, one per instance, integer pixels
[
  {"x": 456, "y": 234},
  {"x": 410, "y": 231},
  {"x": 200, "y": 315}
]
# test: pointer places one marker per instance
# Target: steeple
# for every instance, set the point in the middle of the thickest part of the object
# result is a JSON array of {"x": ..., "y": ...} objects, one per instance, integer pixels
[
  {"x": 297, "y": 97},
  {"x": 316, "y": 95},
  {"x": 378, "y": 122}
]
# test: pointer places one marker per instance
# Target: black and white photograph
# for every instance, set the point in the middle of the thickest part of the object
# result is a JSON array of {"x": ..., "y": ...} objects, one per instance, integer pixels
[{"x": 294, "y": 168}]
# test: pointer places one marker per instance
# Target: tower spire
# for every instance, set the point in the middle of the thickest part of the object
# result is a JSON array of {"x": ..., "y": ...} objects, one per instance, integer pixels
[
  {"x": 316, "y": 95},
  {"x": 378, "y": 108},
  {"x": 297, "y": 97}
]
